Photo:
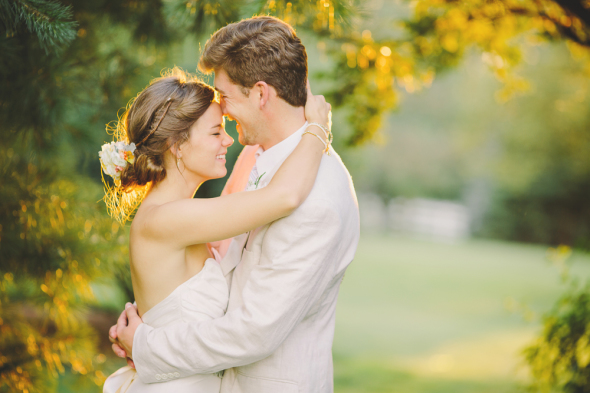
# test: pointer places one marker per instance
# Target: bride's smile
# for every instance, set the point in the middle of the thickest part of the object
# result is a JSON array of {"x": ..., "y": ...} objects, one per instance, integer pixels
[{"x": 203, "y": 154}]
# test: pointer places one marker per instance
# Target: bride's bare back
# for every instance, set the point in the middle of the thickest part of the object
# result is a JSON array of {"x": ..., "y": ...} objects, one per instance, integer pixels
[{"x": 158, "y": 267}]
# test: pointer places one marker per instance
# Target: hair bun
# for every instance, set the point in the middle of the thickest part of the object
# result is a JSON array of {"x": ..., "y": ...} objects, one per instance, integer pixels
[{"x": 145, "y": 169}]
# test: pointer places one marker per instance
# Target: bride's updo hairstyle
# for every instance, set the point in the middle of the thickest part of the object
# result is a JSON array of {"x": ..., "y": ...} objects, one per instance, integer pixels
[{"x": 158, "y": 118}]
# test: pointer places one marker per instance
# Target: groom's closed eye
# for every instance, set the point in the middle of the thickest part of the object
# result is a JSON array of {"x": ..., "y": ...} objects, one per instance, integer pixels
[{"x": 220, "y": 93}]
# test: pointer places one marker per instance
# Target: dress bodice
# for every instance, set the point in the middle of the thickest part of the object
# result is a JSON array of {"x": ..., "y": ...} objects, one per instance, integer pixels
[{"x": 202, "y": 297}]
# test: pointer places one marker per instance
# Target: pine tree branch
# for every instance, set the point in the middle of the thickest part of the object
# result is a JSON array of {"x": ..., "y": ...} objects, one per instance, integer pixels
[{"x": 49, "y": 20}]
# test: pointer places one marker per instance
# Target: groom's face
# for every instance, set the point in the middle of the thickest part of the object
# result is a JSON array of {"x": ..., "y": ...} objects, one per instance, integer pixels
[{"x": 238, "y": 106}]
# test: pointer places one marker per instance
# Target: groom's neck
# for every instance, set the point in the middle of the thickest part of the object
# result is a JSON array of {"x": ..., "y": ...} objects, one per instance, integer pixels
[{"x": 282, "y": 123}]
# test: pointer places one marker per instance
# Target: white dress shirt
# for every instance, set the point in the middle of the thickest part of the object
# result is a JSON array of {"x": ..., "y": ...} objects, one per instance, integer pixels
[{"x": 267, "y": 160}]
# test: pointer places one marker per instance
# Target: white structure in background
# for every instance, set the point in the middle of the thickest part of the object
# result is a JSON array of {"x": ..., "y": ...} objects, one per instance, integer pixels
[
  {"x": 373, "y": 212},
  {"x": 425, "y": 218},
  {"x": 432, "y": 219}
]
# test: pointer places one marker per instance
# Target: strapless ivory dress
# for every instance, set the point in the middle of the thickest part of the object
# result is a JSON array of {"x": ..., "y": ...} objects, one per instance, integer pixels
[{"x": 200, "y": 298}]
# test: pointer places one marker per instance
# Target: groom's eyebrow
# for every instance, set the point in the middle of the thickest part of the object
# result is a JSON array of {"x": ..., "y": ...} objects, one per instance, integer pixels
[{"x": 219, "y": 90}]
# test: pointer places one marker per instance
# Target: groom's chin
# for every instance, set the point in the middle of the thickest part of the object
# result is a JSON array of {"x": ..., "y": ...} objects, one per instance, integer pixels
[
  {"x": 243, "y": 141},
  {"x": 241, "y": 138}
]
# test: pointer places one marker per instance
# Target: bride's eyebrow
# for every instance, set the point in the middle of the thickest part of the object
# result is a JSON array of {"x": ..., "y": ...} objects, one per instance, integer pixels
[{"x": 217, "y": 125}]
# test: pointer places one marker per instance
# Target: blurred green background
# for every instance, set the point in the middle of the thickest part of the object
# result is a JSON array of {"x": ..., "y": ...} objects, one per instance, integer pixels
[{"x": 464, "y": 126}]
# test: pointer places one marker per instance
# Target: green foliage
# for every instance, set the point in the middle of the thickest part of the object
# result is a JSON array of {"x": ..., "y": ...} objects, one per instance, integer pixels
[
  {"x": 559, "y": 360},
  {"x": 435, "y": 37},
  {"x": 201, "y": 17},
  {"x": 368, "y": 88},
  {"x": 54, "y": 241},
  {"x": 542, "y": 167},
  {"x": 49, "y": 21}
]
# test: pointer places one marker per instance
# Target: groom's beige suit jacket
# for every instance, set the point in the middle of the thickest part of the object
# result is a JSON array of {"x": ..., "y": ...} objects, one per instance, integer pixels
[{"x": 284, "y": 277}]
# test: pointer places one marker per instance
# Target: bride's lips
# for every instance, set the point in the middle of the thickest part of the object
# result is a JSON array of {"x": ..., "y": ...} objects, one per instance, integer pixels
[{"x": 220, "y": 157}]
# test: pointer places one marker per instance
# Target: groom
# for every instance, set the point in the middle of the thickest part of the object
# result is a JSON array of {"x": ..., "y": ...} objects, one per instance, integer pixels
[{"x": 277, "y": 334}]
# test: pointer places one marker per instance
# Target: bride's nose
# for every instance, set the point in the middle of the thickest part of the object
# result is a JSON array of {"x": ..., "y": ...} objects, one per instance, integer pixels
[{"x": 227, "y": 140}]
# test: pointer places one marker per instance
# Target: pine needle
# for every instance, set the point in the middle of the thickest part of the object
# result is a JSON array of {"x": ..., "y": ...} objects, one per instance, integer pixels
[{"x": 50, "y": 21}]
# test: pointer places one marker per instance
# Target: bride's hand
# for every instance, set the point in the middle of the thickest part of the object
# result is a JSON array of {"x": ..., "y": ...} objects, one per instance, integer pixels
[{"x": 317, "y": 110}]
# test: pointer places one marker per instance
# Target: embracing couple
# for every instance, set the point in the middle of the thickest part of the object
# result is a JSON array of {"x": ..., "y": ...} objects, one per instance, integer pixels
[{"x": 255, "y": 313}]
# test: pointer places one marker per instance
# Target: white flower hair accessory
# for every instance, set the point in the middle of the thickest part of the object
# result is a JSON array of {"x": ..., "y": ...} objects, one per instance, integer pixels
[{"x": 115, "y": 156}]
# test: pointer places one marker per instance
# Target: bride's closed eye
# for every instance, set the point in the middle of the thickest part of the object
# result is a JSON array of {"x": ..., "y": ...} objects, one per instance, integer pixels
[{"x": 216, "y": 129}]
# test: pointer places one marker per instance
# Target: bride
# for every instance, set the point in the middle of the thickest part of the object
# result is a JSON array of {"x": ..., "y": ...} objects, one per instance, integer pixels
[{"x": 171, "y": 140}]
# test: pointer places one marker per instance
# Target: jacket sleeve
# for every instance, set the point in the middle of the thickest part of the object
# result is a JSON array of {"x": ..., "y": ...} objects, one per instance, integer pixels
[{"x": 297, "y": 262}]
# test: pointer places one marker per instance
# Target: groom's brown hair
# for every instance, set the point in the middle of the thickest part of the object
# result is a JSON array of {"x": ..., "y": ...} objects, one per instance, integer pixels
[{"x": 262, "y": 48}]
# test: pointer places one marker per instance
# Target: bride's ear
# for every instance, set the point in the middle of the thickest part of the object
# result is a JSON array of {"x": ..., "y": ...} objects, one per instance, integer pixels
[{"x": 176, "y": 151}]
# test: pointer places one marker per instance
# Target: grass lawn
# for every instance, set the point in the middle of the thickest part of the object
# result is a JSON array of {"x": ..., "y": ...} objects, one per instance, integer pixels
[{"x": 423, "y": 317}]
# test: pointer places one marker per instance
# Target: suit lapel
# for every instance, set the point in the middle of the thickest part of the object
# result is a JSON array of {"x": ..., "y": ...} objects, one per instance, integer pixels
[{"x": 234, "y": 254}]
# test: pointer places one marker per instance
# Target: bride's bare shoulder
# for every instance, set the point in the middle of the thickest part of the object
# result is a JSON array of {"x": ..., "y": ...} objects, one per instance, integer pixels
[
  {"x": 152, "y": 216},
  {"x": 140, "y": 222}
]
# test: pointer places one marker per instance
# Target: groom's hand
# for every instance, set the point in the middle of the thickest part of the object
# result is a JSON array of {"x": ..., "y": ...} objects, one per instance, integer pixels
[
  {"x": 117, "y": 349},
  {"x": 121, "y": 334},
  {"x": 126, "y": 327}
]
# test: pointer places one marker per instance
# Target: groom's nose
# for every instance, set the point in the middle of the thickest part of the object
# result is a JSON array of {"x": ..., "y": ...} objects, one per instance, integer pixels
[{"x": 223, "y": 107}]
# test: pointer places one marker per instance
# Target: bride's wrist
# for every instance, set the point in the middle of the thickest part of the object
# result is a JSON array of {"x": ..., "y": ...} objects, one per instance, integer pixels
[
  {"x": 318, "y": 139},
  {"x": 319, "y": 124},
  {"x": 321, "y": 132},
  {"x": 321, "y": 129},
  {"x": 323, "y": 123}
]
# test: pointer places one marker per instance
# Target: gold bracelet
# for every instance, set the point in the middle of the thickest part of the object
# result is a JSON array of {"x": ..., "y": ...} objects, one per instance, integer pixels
[
  {"x": 317, "y": 136},
  {"x": 328, "y": 133}
]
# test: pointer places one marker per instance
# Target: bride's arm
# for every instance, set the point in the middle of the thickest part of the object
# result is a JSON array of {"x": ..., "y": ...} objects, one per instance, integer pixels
[
  {"x": 236, "y": 183},
  {"x": 195, "y": 221}
]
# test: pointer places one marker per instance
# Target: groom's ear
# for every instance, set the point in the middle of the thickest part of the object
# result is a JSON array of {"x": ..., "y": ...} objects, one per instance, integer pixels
[{"x": 261, "y": 91}]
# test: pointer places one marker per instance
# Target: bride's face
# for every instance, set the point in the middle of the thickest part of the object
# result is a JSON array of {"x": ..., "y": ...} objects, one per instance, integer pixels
[{"x": 203, "y": 154}]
